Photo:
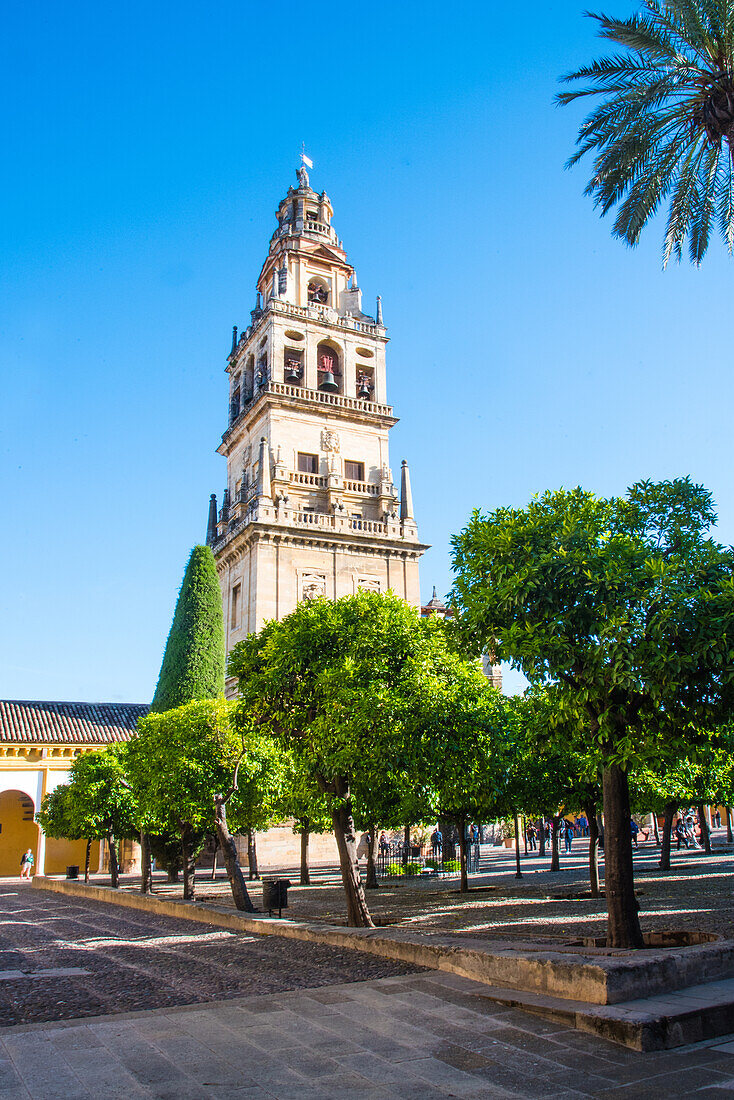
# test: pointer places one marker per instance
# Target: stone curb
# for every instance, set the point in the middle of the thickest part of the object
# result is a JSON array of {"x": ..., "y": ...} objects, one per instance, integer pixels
[{"x": 592, "y": 979}]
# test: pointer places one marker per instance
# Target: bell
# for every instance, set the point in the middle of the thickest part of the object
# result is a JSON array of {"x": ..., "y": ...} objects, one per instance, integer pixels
[
  {"x": 364, "y": 390},
  {"x": 293, "y": 374},
  {"x": 328, "y": 383}
]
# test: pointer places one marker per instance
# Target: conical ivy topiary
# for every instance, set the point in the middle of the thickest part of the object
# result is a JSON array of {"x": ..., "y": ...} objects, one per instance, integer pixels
[{"x": 193, "y": 663}]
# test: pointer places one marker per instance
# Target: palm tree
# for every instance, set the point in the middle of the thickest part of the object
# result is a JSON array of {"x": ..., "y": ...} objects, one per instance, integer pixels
[{"x": 664, "y": 129}]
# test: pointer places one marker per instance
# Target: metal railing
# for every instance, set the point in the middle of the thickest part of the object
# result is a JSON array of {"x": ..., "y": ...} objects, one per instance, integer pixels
[{"x": 394, "y": 861}]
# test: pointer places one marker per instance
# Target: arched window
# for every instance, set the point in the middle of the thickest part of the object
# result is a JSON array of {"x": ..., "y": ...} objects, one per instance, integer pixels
[{"x": 249, "y": 379}]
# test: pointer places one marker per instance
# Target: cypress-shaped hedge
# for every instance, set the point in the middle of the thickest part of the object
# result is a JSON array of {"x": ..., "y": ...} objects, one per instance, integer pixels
[{"x": 193, "y": 663}]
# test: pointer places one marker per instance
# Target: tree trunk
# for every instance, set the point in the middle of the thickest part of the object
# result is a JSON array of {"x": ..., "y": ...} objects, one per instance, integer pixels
[
  {"x": 670, "y": 808},
  {"x": 305, "y": 834},
  {"x": 406, "y": 845},
  {"x": 114, "y": 864},
  {"x": 593, "y": 850},
  {"x": 172, "y": 874},
  {"x": 541, "y": 838},
  {"x": 371, "y": 882},
  {"x": 464, "y": 877},
  {"x": 729, "y": 834},
  {"x": 188, "y": 862},
  {"x": 623, "y": 921},
  {"x": 145, "y": 872},
  {"x": 358, "y": 915},
  {"x": 655, "y": 829},
  {"x": 518, "y": 872},
  {"x": 556, "y": 844},
  {"x": 252, "y": 855},
  {"x": 600, "y": 830},
  {"x": 705, "y": 834},
  {"x": 87, "y": 854},
  {"x": 226, "y": 842},
  {"x": 214, "y": 858}
]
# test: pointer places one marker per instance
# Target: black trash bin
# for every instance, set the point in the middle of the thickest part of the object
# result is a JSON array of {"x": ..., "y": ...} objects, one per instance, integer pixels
[
  {"x": 72, "y": 872},
  {"x": 275, "y": 894}
]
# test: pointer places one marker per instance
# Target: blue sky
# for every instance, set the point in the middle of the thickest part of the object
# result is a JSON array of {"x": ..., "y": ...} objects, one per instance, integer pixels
[{"x": 145, "y": 150}]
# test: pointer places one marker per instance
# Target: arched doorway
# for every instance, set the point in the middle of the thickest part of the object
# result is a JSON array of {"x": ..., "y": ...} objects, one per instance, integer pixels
[{"x": 18, "y": 830}]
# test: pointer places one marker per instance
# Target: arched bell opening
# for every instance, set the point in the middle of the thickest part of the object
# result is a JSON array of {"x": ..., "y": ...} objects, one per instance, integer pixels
[
  {"x": 293, "y": 366},
  {"x": 329, "y": 368},
  {"x": 318, "y": 292},
  {"x": 365, "y": 383}
]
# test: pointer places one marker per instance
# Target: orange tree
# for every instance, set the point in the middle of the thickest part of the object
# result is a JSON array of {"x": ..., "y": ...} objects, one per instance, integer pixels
[
  {"x": 339, "y": 684},
  {"x": 626, "y": 607}
]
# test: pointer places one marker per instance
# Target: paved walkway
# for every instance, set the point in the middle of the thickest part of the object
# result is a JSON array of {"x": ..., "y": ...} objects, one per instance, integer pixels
[
  {"x": 421, "y": 1037},
  {"x": 409, "y": 1036}
]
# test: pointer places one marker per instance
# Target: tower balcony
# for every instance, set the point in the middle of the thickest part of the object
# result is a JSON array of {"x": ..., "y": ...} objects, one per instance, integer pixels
[
  {"x": 349, "y": 407},
  {"x": 325, "y": 315},
  {"x": 321, "y": 481},
  {"x": 339, "y": 525}
]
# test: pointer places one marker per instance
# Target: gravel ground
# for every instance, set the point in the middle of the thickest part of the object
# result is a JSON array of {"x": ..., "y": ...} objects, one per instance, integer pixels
[
  {"x": 698, "y": 893},
  {"x": 138, "y": 961}
]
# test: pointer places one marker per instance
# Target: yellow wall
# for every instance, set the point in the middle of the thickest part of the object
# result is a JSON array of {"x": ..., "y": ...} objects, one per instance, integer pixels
[
  {"x": 60, "y": 854},
  {"x": 18, "y": 832}
]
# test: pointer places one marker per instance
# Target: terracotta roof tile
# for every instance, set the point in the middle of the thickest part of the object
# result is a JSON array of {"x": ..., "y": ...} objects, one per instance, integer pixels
[{"x": 23, "y": 721}]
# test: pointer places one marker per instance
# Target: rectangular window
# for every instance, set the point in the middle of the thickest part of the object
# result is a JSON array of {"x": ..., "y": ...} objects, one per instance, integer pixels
[
  {"x": 235, "y": 607},
  {"x": 353, "y": 471},
  {"x": 308, "y": 464}
]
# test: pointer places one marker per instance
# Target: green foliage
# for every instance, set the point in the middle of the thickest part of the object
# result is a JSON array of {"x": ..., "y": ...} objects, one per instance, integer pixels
[
  {"x": 181, "y": 758},
  {"x": 337, "y": 682},
  {"x": 624, "y": 605},
  {"x": 704, "y": 775},
  {"x": 452, "y": 865},
  {"x": 96, "y": 802},
  {"x": 550, "y": 765},
  {"x": 663, "y": 126},
  {"x": 59, "y": 814},
  {"x": 166, "y": 851},
  {"x": 193, "y": 662},
  {"x": 301, "y": 799},
  {"x": 462, "y": 743}
]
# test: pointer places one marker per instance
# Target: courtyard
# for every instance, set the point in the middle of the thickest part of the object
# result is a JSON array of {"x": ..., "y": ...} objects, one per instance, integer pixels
[
  {"x": 695, "y": 894},
  {"x": 99, "y": 1002}
]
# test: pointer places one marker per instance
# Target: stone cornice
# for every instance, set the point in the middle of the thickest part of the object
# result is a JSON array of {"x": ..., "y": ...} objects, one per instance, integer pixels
[{"x": 232, "y": 548}]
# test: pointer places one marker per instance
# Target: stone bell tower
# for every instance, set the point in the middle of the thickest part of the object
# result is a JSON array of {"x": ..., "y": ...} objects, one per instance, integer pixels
[{"x": 310, "y": 508}]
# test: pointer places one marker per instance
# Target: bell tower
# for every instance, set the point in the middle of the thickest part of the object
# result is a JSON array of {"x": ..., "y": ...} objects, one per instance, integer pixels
[{"x": 311, "y": 507}]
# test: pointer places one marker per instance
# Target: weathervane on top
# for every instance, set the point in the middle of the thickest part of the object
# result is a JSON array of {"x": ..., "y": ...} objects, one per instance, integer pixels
[{"x": 301, "y": 172}]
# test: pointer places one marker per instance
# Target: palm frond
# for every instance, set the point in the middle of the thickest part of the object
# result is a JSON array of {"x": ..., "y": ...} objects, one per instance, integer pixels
[
  {"x": 703, "y": 207},
  {"x": 660, "y": 129},
  {"x": 681, "y": 212},
  {"x": 639, "y": 34},
  {"x": 725, "y": 201}
]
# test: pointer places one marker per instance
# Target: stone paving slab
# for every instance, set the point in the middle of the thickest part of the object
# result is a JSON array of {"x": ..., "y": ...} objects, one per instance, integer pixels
[{"x": 267, "y": 1048}]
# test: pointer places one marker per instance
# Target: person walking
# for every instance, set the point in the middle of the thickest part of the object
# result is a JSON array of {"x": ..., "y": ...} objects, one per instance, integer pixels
[
  {"x": 26, "y": 864},
  {"x": 567, "y": 836},
  {"x": 680, "y": 834},
  {"x": 634, "y": 830},
  {"x": 532, "y": 834}
]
